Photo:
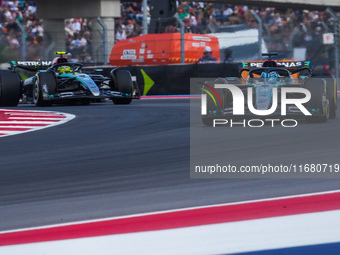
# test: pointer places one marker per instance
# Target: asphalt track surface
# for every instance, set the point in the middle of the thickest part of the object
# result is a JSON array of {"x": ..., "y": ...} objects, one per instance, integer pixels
[{"x": 120, "y": 160}]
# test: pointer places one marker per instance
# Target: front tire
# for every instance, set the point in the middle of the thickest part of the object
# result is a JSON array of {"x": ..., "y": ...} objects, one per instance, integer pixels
[
  {"x": 124, "y": 84},
  {"x": 10, "y": 89},
  {"x": 318, "y": 101},
  {"x": 332, "y": 97},
  {"x": 45, "y": 83}
]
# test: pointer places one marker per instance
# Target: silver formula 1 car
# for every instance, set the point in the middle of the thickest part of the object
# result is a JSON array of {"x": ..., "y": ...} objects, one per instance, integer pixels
[
  {"x": 46, "y": 82},
  {"x": 257, "y": 89}
]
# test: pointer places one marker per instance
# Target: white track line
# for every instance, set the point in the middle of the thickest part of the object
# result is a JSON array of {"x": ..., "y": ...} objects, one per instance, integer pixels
[{"x": 169, "y": 211}]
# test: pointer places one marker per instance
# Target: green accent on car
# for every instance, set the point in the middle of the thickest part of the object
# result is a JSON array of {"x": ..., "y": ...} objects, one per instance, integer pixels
[{"x": 23, "y": 76}]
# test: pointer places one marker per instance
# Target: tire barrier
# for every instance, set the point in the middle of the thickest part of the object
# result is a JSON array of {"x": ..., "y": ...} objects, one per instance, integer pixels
[{"x": 172, "y": 79}]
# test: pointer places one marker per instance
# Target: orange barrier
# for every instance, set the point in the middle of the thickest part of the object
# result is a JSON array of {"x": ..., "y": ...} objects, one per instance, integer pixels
[{"x": 162, "y": 49}]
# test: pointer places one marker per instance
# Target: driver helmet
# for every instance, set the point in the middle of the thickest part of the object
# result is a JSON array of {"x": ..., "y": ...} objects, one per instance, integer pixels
[
  {"x": 263, "y": 75},
  {"x": 64, "y": 69},
  {"x": 273, "y": 75},
  {"x": 59, "y": 60}
]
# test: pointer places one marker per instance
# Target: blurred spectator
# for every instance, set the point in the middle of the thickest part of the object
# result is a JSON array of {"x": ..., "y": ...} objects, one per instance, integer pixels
[
  {"x": 120, "y": 35},
  {"x": 227, "y": 11},
  {"x": 207, "y": 56},
  {"x": 68, "y": 28},
  {"x": 133, "y": 9},
  {"x": 32, "y": 8},
  {"x": 6, "y": 14},
  {"x": 171, "y": 29},
  {"x": 129, "y": 28},
  {"x": 228, "y": 56},
  {"x": 193, "y": 19},
  {"x": 76, "y": 26},
  {"x": 78, "y": 44},
  {"x": 13, "y": 41},
  {"x": 184, "y": 15},
  {"x": 37, "y": 29},
  {"x": 299, "y": 38},
  {"x": 135, "y": 32}
]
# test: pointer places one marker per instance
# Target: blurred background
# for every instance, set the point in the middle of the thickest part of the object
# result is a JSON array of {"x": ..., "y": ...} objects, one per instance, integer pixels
[{"x": 299, "y": 34}]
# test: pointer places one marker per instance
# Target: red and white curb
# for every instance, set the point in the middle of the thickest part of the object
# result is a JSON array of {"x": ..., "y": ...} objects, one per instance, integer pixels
[
  {"x": 219, "y": 229},
  {"x": 14, "y": 122}
]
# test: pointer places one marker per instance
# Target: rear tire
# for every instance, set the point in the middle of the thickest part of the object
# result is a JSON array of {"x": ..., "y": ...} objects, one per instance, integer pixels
[
  {"x": 44, "y": 81},
  {"x": 332, "y": 96},
  {"x": 10, "y": 89},
  {"x": 124, "y": 84},
  {"x": 318, "y": 101}
]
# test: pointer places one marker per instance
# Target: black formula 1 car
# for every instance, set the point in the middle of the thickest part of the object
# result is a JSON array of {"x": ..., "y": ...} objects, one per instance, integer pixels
[
  {"x": 263, "y": 81},
  {"x": 46, "y": 82}
]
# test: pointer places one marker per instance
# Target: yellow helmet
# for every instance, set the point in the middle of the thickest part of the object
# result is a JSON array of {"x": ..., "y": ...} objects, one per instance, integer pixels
[{"x": 64, "y": 69}]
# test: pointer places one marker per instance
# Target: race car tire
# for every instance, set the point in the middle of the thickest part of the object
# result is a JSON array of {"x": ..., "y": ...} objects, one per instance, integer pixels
[
  {"x": 332, "y": 97},
  {"x": 124, "y": 84},
  {"x": 44, "y": 80},
  {"x": 10, "y": 88},
  {"x": 212, "y": 108},
  {"x": 318, "y": 90}
]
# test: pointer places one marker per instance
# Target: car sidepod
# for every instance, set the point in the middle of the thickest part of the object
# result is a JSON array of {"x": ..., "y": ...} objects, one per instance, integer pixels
[{"x": 88, "y": 84}]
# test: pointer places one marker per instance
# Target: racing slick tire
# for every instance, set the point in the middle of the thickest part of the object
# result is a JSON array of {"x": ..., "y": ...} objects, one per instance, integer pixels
[
  {"x": 213, "y": 107},
  {"x": 10, "y": 88},
  {"x": 124, "y": 84},
  {"x": 332, "y": 97},
  {"x": 42, "y": 82},
  {"x": 318, "y": 101}
]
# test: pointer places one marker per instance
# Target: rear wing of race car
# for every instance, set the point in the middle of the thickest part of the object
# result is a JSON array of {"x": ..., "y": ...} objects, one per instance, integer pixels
[
  {"x": 289, "y": 65},
  {"x": 26, "y": 69},
  {"x": 31, "y": 65},
  {"x": 298, "y": 69}
]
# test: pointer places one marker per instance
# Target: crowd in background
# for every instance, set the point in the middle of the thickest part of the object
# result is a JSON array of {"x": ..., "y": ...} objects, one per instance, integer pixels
[
  {"x": 306, "y": 26},
  {"x": 131, "y": 20},
  {"x": 78, "y": 36},
  {"x": 24, "y": 13},
  {"x": 283, "y": 29},
  {"x": 79, "y": 39}
]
